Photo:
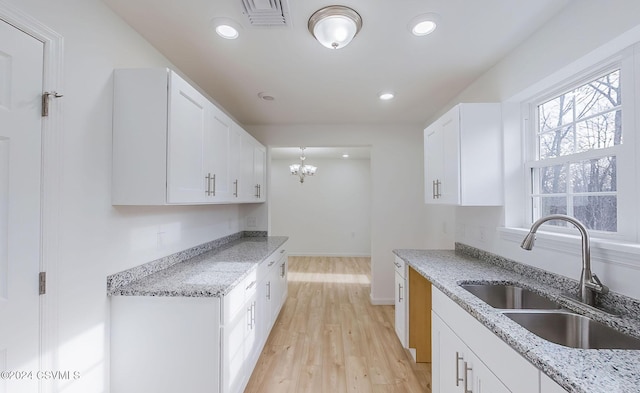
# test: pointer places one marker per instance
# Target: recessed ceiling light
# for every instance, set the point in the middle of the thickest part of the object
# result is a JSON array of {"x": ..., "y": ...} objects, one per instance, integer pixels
[
  {"x": 266, "y": 97},
  {"x": 386, "y": 96},
  {"x": 226, "y": 28},
  {"x": 345, "y": 156},
  {"x": 423, "y": 24}
]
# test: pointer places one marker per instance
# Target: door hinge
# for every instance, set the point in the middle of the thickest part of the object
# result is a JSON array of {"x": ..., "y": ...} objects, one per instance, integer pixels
[
  {"x": 45, "y": 101},
  {"x": 42, "y": 283}
]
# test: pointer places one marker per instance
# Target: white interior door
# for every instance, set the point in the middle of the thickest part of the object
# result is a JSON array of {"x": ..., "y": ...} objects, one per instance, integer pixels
[{"x": 21, "y": 69}]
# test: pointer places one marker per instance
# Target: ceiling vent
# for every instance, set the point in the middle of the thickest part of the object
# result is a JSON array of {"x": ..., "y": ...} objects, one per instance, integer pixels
[{"x": 267, "y": 13}]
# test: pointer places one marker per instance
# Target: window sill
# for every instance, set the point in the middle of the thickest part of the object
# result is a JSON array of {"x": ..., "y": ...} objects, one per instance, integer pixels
[{"x": 604, "y": 250}]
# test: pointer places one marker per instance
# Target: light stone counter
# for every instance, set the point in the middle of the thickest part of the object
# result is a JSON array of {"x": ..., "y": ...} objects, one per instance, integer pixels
[
  {"x": 577, "y": 370},
  {"x": 209, "y": 270}
]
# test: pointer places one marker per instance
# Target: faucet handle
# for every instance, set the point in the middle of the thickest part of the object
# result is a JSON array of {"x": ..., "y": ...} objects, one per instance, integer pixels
[{"x": 597, "y": 285}]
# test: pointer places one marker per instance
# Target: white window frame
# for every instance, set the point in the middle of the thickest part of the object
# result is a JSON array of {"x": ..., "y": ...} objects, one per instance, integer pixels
[{"x": 627, "y": 176}]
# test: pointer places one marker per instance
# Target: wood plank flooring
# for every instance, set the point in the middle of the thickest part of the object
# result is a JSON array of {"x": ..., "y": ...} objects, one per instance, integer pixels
[{"x": 329, "y": 338}]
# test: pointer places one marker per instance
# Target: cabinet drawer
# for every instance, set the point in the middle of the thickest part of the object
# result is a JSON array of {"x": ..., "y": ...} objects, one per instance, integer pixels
[
  {"x": 233, "y": 301},
  {"x": 400, "y": 267},
  {"x": 269, "y": 263}
]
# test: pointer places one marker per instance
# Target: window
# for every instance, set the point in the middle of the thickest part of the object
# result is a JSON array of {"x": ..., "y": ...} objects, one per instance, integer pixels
[{"x": 579, "y": 135}]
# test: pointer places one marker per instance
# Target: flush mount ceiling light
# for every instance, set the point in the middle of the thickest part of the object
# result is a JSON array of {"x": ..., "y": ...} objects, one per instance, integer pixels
[
  {"x": 335, "y": 26},
  {"x": 423, "y": 24},
  {"x": 386, "y": 96},
  {"x": 226, "y": 28}
]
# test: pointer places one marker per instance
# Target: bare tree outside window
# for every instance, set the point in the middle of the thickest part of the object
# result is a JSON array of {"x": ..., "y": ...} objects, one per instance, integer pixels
[{"x": 575, "y": 134}]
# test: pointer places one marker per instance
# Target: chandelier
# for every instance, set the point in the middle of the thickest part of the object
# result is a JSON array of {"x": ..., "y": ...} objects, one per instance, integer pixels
[{"x": 302, "y": 169}]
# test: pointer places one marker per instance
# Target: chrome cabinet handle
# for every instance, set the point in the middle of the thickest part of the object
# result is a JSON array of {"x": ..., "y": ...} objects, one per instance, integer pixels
[
  {"x": 438, "y": 193},
  {"x": 433, "y": 189},
  {"x": 251, "y": 285},
  {"x": 466, "y": 378},
  {"x": 253, "y": 315},
  {"x": 399, "y": 292},
  {"x": 271, "y": 263},
  {"x": 282, "y": 274},
  {"x": 213, "y": 191},
  {"x": 458, "y": 359},
  {"x": 269, "y": 290},
  {"x": 282, "y": 251},
  {"x": 235, "y": 183},
  {"x": 398, "y": 265},
  {"x": 208, "y": 179}
]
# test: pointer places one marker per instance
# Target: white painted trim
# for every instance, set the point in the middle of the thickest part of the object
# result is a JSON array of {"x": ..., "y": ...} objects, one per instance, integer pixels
[
  {"x": 381, "y": 301},
  {"x": 51, "y": 173},
  {"x": 603, "y": 250}
]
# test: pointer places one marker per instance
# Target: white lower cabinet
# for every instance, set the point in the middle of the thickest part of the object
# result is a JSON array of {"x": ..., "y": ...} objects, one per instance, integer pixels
[
  {"x": 165, "y": 344},
  {"x": 466, "y": 352},
  {"x": 455, "y": 367},
  {"x": 196, "y": 344},
  {"x": 401, "y": 303},
  {"x": 238, "y": 333},
  {"x": 264, "y": 293}
]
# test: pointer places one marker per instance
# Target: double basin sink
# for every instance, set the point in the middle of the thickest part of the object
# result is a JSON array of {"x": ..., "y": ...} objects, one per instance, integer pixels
[{"x": 547, "y": 319}]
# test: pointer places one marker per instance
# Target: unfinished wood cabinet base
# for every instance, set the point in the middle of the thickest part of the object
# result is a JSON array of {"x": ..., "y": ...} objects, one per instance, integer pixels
[{"x": 419, "y": 316}]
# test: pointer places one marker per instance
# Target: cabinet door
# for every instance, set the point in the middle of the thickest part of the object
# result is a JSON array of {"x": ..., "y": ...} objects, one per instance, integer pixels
[
  {"x": 253, "y": 336},
  {"x": 188, "y": 123},
  {"x": 434, "y": 163},
  {"x": 450, "y": 127},
  {"x": 232, "y": 362},
  {"x": 266, "y": 304},
  {"x": 241, "y": 166},
  {"x": 246, "y": 185},
  {"x": 401, "y": 310},
  {"x": 217, "y": 157},
  {"x": 484, "y": 381},
  {"x": 235, "y": 159},
  {"x": 281, "y": 285},
  {"x": 448, "y": 354},
  {"x": 259, "y": 172},
  {"x": 284, "y": 279}
]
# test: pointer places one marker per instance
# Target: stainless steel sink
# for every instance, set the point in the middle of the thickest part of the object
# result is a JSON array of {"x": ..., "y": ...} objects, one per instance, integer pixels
[
  {"x": 510, "y": 297},
  {"x": 572, "y": 330}
]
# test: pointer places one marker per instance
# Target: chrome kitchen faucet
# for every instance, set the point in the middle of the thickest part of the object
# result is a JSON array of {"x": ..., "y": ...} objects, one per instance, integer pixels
[{"x": 590, "y": 284}]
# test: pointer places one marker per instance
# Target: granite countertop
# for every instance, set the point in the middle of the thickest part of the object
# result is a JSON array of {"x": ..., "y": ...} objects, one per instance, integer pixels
[
  {"x": 208, "y": 274},
  {"x": 577, "y": 370}
]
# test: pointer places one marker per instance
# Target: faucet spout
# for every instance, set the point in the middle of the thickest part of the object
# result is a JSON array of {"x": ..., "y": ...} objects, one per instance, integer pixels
[{"x": 589, "y": 282}]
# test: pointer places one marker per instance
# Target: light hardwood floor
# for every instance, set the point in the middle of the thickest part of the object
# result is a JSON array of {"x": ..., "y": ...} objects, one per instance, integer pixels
[{"x": 329, "y": 338}]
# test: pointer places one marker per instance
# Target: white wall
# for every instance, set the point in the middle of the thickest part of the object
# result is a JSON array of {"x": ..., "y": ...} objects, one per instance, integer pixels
[
  {"x": 96, "y": 238},
  {"x": 329, "y": 214},
  {"x": 399, "y": 218},
  {"x": 574, "y": 39}
]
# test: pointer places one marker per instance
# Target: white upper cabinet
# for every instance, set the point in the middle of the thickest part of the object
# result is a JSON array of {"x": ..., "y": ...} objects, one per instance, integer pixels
[
  {"x": 463, "y": 157},
  {"x": 171, "y": 145},
  {"x": 248, "y": 175},
  {"x": 188, "y": 133},
  {"x": 218, "y": 161},
  {"x": 259, "y": 172}
]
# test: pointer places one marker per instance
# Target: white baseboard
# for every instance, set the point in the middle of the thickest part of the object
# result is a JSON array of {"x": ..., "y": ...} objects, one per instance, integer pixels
[{"x": 382, "y": 302}]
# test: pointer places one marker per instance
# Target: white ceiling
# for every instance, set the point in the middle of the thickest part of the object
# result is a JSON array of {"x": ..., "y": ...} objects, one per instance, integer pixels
[
  {"x": 293, "y": 153},
  {"x": 315, "y": 85}
]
